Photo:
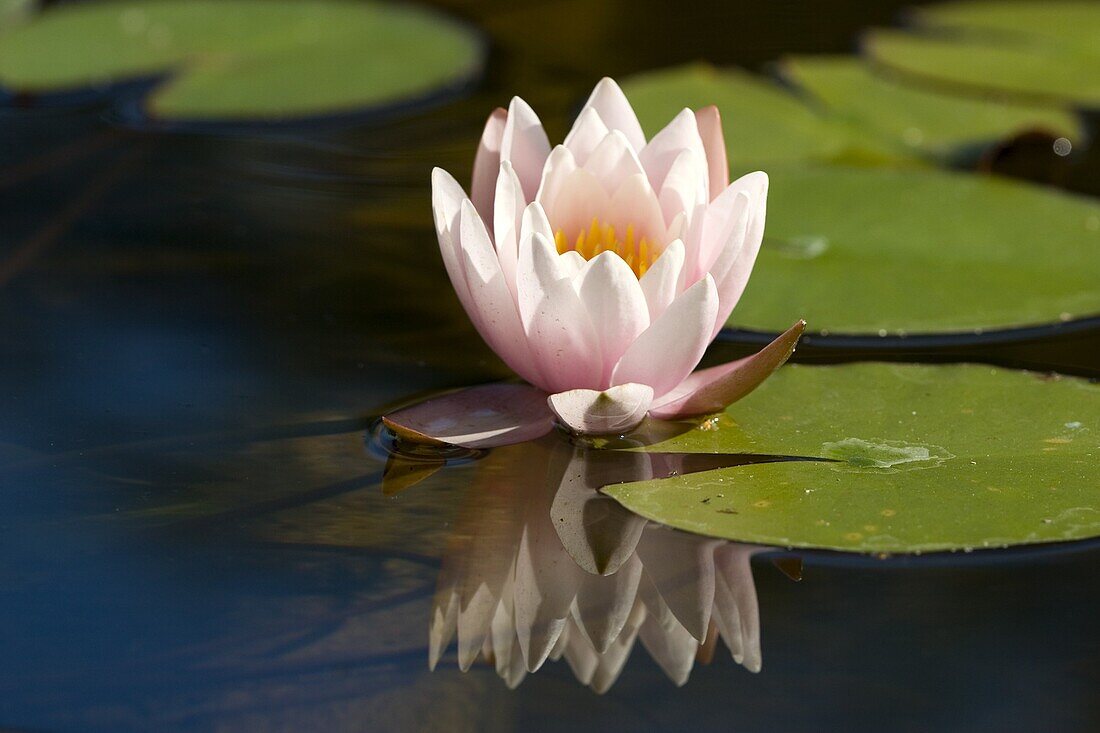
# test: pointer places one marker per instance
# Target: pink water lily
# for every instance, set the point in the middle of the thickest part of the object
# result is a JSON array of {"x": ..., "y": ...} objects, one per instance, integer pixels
[{"x": 599, "y": 271}]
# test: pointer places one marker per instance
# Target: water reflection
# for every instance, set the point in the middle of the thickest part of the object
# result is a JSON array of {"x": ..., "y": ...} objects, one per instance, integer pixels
[{"x": 539, "y": 566}]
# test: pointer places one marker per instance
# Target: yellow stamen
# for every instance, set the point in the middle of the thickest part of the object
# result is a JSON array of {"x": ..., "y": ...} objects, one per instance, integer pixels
[{"x": 638, "y": 253}]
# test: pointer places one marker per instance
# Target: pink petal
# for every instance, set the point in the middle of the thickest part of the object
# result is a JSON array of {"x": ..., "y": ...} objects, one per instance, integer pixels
[
  {"x": 447, "y": 198},
  {"x": 733, "y": 283},
  {"x": 711, "y": 390},
  {"x": 635, "y": 203},
  {"x": 479, "y": 417},
  {"x": 681, "y": 566},
  {"x": 533, "y": 222},
  {"x": 613, "y": 161},
  {"x": 669, "y": 349},
  {"x": 495, "y": 313},
  {"x": 672, "y": 648},
  {"x": 539, "y": 268},
  {"x": 563, "y": 342},
  {"x": 681, "y": 134},
  {"x": 581, "y": 198},
  {"x": 588, "y": 131},
  {"x": 559, "y": 167},
  {"x": 613, "y": 299},
  {"x": 733, "y": 569},
  {"x": 590, "y": 412},
  {"x": 559, "y": 331},
  {"x": 507, "y": 214},
  {"x": 685, "y": 186},
  {"x": 608, "y": 100},
  {"x": 709, "y": 122},
  {"x": 525, "y": 144},
  {"x": 486, "y": 164},
  {"x": 660, "y": 283}
]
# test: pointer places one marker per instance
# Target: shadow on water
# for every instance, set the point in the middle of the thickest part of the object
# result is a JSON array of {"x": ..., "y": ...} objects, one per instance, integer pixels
[{"x": 195, "y": 330}]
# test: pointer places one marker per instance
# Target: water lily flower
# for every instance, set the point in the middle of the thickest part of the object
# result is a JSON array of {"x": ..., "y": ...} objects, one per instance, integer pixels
[
  {"x": 517, "y": 587},
  {"x": 599, "y": 270}
]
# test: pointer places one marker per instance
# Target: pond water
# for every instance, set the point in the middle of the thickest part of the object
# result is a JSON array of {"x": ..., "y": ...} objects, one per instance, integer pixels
[{"x": 202, "y": 529}]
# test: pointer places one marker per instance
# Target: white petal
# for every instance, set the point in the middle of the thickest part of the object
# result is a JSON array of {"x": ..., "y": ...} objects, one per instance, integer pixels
[
  {"x": 540, "y": 267},
  {"x": 590, "y": 412},
  {"x": 443, "y": 625},
  {"x": 635, "y": 204},
  {"x": 612, "y": 661},
  {"x": 613, "y": 161},
  {"x": 507, "y": 213},
  {"x": 559, "y": 167},
  {"x": 612, "y": 297},
  {"x": 732, "y": 562},
  {"x": 588, "y": 131},
  {"x": 681, "y": 566},
  {"x": 669, "y": 349},
  {"x": 684, "y": 187},
  {"x": 673, "y": 649},
  {"x": 660, "y": 283},
  {"x": 608, "y": 100},
  {"x": 597, "y": 532},
  {"x": 562, "y": 340},
  {"x": 604, "y": 603},
  {"x": 681, "y": 134},
  {"x": 711, "y": 390},
  {"x": 447, "y": 198},
  {"x": 533, "y": 222},
  {"x": 497, "y": 316},
  {"x": 486, "y": 164},
  {"x": 525, "y": 144},
  {"x": 580, "y": 654},
  {"x": 732, "y": 285},
  {"x": 580, "y": 200}
]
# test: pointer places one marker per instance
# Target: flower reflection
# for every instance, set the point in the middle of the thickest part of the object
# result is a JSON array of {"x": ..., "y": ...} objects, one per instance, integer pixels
[{"x": 541, "y": 566}]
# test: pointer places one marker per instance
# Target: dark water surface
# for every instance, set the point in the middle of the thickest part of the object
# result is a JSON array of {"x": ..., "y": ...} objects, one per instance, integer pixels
[{"x": 195, "y": 332}]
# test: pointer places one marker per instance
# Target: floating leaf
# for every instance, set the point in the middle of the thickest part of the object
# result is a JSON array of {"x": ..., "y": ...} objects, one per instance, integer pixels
[
  {"x": 763, "y": 123},
  {"x": 921, "y": 458},
  {"x": 13, "y": 11},
  {"x": 943, "y": 126},
  {"x": 1042, "y": 50},
  {"x": 864, "y": 251},
  {"x": 244, "y": 59}
]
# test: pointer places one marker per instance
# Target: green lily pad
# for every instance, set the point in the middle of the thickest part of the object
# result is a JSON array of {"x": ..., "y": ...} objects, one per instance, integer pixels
[
  {"x": 1040, "y": 50},
  {"x": 921, "y": 458},
  {"x": 764, "y": 124},
  {"x": 1065, "y": 23},
  {"x": 244, "y": 59},
  {"x": 943, "y": 126},
  {"x": 13, "y": 11},
  {"x": 869, "y": 251}
]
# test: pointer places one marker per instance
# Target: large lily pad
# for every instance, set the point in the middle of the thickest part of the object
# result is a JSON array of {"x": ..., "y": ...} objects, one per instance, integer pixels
[
  {"x": 251, "y": 59},
  {"x": 944, "y": 126},
  {"x": 868, "y": 251},
  {"x": 1043, "y": 50},
  {"x": 921, "y": 458},
  {"x": 764, "y": 123}
]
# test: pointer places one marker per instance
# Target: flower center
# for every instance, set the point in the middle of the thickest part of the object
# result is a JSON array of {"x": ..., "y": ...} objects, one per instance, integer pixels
[{"x": 639, "y": 253}]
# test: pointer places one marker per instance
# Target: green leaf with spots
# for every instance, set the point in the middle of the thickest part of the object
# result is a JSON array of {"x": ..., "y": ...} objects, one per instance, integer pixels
[
  {"x": 764, "y": 124},
  {"x": 1041, "y": 50},
  {"x": 864, "y": 250},
  {"x": 946, "y": 127},
  {"x": 244, "y": 59},
  {"x": 921, "y": 458}
]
